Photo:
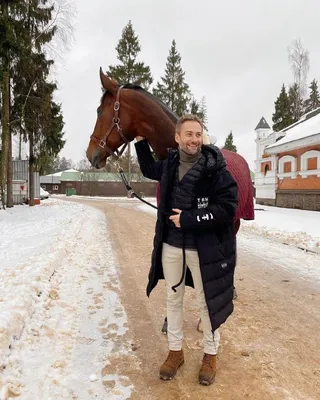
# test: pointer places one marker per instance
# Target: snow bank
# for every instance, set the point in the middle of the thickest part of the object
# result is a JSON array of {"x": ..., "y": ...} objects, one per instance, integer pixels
[
  {"x": 58, "y": 282},
  {"x": 32, "y": 241},
  {"x": 300, "y": 228}
]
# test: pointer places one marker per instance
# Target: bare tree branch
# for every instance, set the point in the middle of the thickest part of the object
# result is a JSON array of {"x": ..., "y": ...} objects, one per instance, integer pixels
[
  {"x": 300, "y": 65},
  {"x": 63, "y": 19}
]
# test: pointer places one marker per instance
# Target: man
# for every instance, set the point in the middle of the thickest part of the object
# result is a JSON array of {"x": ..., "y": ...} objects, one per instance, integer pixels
[{"x": 194, "y": 242}]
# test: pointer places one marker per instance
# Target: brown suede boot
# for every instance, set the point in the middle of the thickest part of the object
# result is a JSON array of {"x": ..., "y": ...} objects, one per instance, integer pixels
[
  {"x": 208, "y": 369},
  {"x": 170, "y": 367}
]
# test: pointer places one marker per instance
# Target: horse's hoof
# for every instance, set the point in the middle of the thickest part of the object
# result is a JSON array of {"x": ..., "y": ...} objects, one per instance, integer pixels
[
  {"x": 235, "y": 295},
  {"x": 164, "y": 329},
  {"x": 199, "y": 327}
]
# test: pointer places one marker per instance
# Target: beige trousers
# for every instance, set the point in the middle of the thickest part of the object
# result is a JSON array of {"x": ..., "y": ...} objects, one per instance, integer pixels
[{"x": 172, "y": 269}]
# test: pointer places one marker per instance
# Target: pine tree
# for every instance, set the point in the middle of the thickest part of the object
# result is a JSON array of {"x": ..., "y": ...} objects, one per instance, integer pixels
[
  {"x": 51, "y": 142},
  {"x": 173, "y": 90},
  {"x": 203, "y": 110},
  {"x": 199, "y": 109},
  {"x": 130, "y": 70},
  {"x": 229, "y": 145},
  {"x": 282, "y": 116},
  {"x": 296, "y": 103},
  {"x": 39, "y": 117},
  {"x": 313, "y": 102},
  {"x": 8, "y": 46},
  {"x": 194, "y": 107}
]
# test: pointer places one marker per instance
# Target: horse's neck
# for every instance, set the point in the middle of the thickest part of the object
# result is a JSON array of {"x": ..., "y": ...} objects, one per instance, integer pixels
[
  {"x": 162, "y": 139},
  {"x": 159, "y": 130}
]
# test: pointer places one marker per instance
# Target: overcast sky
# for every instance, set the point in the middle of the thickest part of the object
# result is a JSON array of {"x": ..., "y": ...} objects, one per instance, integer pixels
[{"x": 234, "y": 54}]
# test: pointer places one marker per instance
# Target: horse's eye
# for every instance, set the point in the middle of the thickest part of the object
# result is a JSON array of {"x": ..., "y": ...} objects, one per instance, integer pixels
[{"x": 99, "y": 111}]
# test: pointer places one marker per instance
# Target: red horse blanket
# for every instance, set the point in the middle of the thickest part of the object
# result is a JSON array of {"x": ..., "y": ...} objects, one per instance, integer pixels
[{"x": 239, "y": 169}]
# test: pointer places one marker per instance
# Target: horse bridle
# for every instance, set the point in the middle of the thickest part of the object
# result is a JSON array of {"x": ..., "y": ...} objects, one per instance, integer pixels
[{"x": 114, "y": 124}]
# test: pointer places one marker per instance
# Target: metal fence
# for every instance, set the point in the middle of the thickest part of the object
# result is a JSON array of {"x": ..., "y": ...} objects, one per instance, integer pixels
[{"x": 20, "y": 183}]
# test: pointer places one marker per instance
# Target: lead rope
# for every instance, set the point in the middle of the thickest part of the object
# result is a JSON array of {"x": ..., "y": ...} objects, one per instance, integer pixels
[
  {"x": 133, "y": 193},
  {"x": 184, "y": 266}
]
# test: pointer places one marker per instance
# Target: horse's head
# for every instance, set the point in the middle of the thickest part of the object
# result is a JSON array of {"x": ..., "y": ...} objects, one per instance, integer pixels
[{"x": 110, "y": 131}]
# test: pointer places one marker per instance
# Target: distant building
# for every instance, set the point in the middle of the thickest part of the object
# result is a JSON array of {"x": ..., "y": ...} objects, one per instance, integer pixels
[
  {"x": 52, "y": 182},
  {"x": 287, "y": 166},
  {"x": 95, "y": 183}
]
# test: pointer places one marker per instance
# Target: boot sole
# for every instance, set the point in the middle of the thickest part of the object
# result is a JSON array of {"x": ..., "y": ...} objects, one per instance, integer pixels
[{"x": 168, "y": 378}]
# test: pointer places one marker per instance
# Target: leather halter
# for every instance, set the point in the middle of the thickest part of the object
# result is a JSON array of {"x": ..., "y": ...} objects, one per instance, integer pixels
[{"x": 114, "y": 124}]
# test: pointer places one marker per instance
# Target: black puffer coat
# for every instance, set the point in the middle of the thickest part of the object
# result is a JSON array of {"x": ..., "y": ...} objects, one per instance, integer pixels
[{"x": 214, "y": 205}]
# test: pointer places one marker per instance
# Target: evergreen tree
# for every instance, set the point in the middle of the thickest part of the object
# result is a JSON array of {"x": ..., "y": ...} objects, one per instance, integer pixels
[
  {"x": 199, "y": 109},
  {"x": 296, "y": 103},
  {"x": 282, "y": 116},
  {"x": 173, "y": 90},
  {"x": 130, "y": 70},
  {"x": 313, "y": 101},
  {"x": 229, "y": 145},
  {"x": 8, "y": 47},
  {"x": 194, "y": 107},
  {"x": 26, "y": 28},
  {"x": 40, "y": 119},
  {"x": 51, "y": 142}
]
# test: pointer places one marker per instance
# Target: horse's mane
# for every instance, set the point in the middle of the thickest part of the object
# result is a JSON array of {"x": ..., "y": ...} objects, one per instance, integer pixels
[{"x": 172, "y": 116}]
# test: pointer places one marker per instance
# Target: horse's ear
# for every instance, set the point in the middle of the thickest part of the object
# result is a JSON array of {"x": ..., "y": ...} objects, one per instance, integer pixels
[{"x": 107, "y": 83}]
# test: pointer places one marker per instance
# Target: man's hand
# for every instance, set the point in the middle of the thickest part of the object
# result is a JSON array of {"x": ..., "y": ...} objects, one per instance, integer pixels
[
  {"x": 176, "y": 218},
  {"x": 139, "y": 138}
]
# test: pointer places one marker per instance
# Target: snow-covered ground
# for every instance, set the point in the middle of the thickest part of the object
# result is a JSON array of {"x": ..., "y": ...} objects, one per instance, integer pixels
[
  {"x": 295, "y": 227},
  {"x": 58, "y": 293}
]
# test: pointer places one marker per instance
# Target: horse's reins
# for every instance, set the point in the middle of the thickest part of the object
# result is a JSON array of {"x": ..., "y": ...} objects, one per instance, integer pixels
[{"x": 116, "y": 155}]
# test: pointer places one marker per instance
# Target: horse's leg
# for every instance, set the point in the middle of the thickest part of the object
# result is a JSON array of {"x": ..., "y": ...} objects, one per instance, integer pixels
[
  {"x": 164, "y": 329},
  {"x": 236, "y": 229}
]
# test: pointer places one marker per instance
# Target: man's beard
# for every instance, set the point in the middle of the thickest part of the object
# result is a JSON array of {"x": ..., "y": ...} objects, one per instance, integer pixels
[{"x": 190, "y": 151}]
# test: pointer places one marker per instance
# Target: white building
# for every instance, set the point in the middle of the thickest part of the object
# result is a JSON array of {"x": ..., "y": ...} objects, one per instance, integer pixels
[{"x": 287, "y": 165}]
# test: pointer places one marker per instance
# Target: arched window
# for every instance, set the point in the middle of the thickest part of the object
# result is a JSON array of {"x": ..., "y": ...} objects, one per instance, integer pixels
[
  {"x": 283, "y": 169},
  {"x": 309, "y": 156}
]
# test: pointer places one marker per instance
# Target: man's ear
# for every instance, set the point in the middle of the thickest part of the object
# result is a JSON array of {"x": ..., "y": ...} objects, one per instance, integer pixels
[{"x": 177, "y": 137}]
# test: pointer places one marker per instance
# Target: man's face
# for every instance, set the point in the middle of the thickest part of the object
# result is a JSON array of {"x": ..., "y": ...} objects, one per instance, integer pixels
[{"x": 190, "y": 137}]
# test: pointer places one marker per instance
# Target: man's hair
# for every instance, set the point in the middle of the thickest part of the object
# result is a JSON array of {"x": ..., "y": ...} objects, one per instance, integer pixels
[{"x": 185, "y": 118}]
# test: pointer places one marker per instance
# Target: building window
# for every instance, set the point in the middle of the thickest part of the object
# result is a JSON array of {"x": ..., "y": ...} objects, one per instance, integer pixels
[
  {"x": 266, "y": 169},
  {"x": 287, "y": 167},
  {"x": 55, "y": 187},
  {"x": 310, "y": 163}
]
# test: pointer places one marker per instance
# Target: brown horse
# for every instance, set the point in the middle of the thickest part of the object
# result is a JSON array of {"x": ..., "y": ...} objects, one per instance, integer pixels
[{"x": 129, "y": 111}]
